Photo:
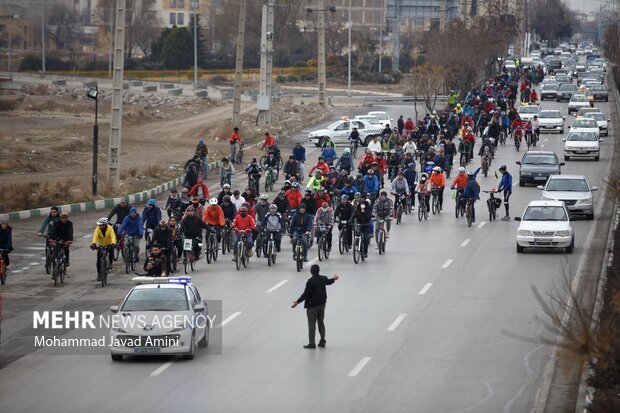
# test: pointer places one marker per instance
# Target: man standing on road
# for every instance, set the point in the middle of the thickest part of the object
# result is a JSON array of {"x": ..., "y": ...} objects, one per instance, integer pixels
[
  {"x": 505, "y": 186},
  {"x": 232, "y": 140},
  {"x": 315, "y": 297}
]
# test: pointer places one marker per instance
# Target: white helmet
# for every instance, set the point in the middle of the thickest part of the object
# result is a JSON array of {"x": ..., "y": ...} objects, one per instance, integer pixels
[
  {"x": 437, "y": 169},
  {"x": 213, "y": 201},
  {"x": 461, "y": 169},
  {"x": 102, "y": 221},
  {"x": 264, "y": 197}
]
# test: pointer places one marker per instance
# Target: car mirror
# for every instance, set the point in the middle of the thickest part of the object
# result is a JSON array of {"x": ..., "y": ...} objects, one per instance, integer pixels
[
  {"x": 114, "y": 309},
  {"x": 199, "y": 308},
  {"x": 600, "y": 140},
  {"x": 594, "y": 188},
  {"x": 562, "y": 164},
  {"x": 517, "y": 218},
  {"x": 540, "y": 187},
  {"x": 518, "y": 162},
  {"x": 564, "y": 117},
  {"x": 563, "y": 139}
]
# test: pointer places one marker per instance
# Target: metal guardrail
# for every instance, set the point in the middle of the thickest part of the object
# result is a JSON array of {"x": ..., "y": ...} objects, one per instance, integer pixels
[{"x": 398, "y": 99}]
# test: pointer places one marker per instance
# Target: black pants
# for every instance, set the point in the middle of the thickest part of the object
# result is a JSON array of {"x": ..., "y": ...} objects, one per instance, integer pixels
[
  {"x": 316, "y": 315},
  {"x": 110, "y": 252},
  {"x": 5, "y": 256}
]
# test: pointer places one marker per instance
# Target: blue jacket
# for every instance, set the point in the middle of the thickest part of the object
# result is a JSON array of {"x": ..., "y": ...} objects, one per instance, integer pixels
[
  {"x": 301, "y": 223},
  {"x": 299, "y": 154},
  {"x": 371, "y": 185},
  {"x": 411, "y": 176},
  {"x": 472, "y": 190},
  {"x": 329, "y": 154},
  {"x": 506, "y": 183},
  {"x": 132, "y": 226},
  {"x": 349, "y": 191},
  {"x": 151, "y": 217},
  {"x": 441, "y": 162},
  {"x": 345, "y": 162}
]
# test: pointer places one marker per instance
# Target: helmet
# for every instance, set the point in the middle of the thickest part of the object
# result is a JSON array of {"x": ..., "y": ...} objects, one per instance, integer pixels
[
  {"x": 295, "y": 185},
  {"x": 321, "y": 189},
  {"x": 345, "y": 197},
  {"x": 281, "y": 193},
  {"x": 190, "y": 209},
  {"x": 347, "y": 150},
  {"x": 358, "y": 194},
  {"x": 461, "y": 169},
  {"x": 152, "y": 202},
  {"x": 102, "y": 221},
  {"x": 317, "y": 173},
  {"x": 226, "y": 198},
  {"x": 308, "y": 192},
  {"x": 64, "y": 214},
  {"x": 264, "y": 197},
  {"x": 430, "y": 163},
  {"x": 213, "y": 201},
  {"x": 163, "y": 222},
  {"x": 392, "y": 150},
  {"x": 437, "y": 169},
  {"x": 226, "y": 186},
  {"x": 287, "y": 182},
  {"x": 501, "y": 168},
  {"x": 246, "y": 204},
  {"x": 273, "y": 207},
  {"x": 411, "y": 165},
  {"x": 4, "y": 222}
]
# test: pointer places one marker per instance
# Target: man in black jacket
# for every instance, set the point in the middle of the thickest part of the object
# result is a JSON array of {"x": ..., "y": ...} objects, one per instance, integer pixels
[
  {"x": 315, "y": 297},
  {"x": 121, "y": 210},
  {"x": 63, "y": 232}
]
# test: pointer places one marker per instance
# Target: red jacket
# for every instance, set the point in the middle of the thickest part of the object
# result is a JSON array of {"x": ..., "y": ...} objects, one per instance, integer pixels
[
  {"x": 369, "y": 157},
  {"x": 294, "y": 198},
  {"x": 318, "y": 201},
  {"x": 323, "y": 167},
  {"x": 467, "y": 118},
  {"x": 470, "y": 137},
  {"x": 409, "y": 125},
  {"x": 244, "y": 223},
  {"x": 382, "y": 165},
  {"x": 195, "y": 188},
  {"x": 234, "y": 137},
  {"x": 268, "y": 142}
]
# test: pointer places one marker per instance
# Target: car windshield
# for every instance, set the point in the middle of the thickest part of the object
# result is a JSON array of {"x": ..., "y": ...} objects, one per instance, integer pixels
[
  {"x": 597, "y": 116},
  {"x": 568, "y": 87},
  {"x": 570, "y": 185},
  {"x": 550, "y": 86},
  {"x": 562, "y": 78},
  {"x": 539, "y": 159},
  {"x": 333, "y": 125},
  {"x": 582, "y": 137},
  {"x": 529, "y": 109},
  {"x": 156, "y": 299},
  {"x": 545, "y": 213},
  {"x": 585, "y": 123},
  {"x": 598, "y": 88},
  {"x": 579, "y": 98},
  {"x": 545, "y": 114},
  {"x": 382, "y": 116}
]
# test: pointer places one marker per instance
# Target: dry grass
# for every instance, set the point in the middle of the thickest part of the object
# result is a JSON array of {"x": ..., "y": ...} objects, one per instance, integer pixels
[
  {"x": 8, "y": 105},
  {"x": 154, "y": 170},
  {"x": 22, "y": 196}
]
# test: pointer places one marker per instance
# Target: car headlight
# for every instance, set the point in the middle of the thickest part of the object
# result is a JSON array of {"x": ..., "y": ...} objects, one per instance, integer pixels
[
  {"x": 593, "y": 148},
  {"x": 181, "y": 326},
  {"x": 526, "y": 173},
  {"x": 562, "y": 233},
  {"x": 569, "y": 148},
  {"x": 118, "y": 330},
  {"x": 524, "y": 233},
  {"x": 585, "y": 201}
]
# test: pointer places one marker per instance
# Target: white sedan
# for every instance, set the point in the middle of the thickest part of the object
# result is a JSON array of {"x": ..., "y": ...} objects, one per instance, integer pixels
[
  {"x": 545, "y": 224},
  {"x": 551, "y": 120},
  {"x": 527, "y": 112},
  {"x": 582, "y": 145},
  {"x": 584, "y": 125},
  {"x": 601, "y": 121}
]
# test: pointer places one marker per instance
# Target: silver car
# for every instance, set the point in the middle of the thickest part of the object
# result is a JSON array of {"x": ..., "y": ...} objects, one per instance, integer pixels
[{"x": 574, "y": 191}]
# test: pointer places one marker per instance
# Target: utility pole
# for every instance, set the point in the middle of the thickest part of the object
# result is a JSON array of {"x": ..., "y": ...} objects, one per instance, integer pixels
[
  {"x": 266, "y": 65},
  {"x": 43, "y": 5},
  {"x": 114, "y": 153},
  {"x": 239, "y": 64},
  {"x": 10, "y": 40},
  {"x": 396, "y": 37},
  {"x": 194, "y": 7},
  {"x": 321, "y": 55},
  {"x": 349, "y": 58},
  {"x": 111, "y": 38}
]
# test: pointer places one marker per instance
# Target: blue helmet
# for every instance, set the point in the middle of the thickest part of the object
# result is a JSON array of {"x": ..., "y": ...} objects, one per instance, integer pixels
[
  {"x": 411, "y": 166},
  {"x": 152, "y": 202},
  {"x": 345, "y": 197},
  {"x": 201, "y": 142}
]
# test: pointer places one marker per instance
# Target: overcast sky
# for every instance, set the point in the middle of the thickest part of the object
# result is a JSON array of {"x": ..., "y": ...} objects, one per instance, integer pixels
[{"x": 585, "y": 5}]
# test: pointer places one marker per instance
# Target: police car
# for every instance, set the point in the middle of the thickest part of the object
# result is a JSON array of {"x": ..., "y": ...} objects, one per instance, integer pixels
[
  {"x": 159, "y": 316},
  {"x": 339, "y": 131}
]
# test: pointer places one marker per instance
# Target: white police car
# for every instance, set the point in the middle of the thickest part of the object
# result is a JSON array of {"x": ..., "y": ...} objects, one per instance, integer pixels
[{"x": 160, "y": 316}]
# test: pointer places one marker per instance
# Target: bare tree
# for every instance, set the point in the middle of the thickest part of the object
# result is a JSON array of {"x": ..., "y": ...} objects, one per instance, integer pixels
[
  {"x": 364, "y": 49},
  {"x": 428, "y": 80}
]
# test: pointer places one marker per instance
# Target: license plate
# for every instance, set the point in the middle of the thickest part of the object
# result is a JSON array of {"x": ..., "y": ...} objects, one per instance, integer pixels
[
  {"x": 147, "y": 350},
  {"x": 582, "y": 152},
  {"x": 540, "y": 178},
  {"x": 547, "y": 127},
  {"x": 543, "y": 240}
]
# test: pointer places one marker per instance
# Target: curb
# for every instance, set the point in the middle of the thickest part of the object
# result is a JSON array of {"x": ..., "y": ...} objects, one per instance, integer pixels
[{"x": 108, "y": 202}]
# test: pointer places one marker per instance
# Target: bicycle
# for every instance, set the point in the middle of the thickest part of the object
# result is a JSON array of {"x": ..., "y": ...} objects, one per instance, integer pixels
[
  {"x": 226, "y": 238},
  {"x": 528, "y": 139},
  {"x": 436, "y": 208},
  {"x": 517, "y": 139},
  {"x": 353, "y": 148},
  {"x": 357, "y": 244},
  {"x": 49, "y": 254},
  {"x": 485, "y": 165},
  {"x": 343, "y": 245},
  {"x": 59, "y": 264},
  {"x": 402, "y": 199},
  {"x": 422, "y": 209},
  {"x": 242, "y": 257},
  {"x": 269, "y": 180},
  {"x": 2, "y": 267},
  {"x": 380, "y": 235},
  {"x": 322, "y": 243},
  {"x": 260, "y": 242},
  {"x": 502, "y": 137},
  {"x": 104, "y": 263},
  {"x": 189, "y": 261},
  {"x": 148, "y": 236},
  {"x": 492, "y": 205},
  {"x": 120, "y": 246},
  {"x": 298, "y": 253},
  {"x": 469, "y": 211},
  {"x": 213, "y": 247},
  {"x": 271, "y": 251},
  {"x": 459, "y": 207},
  {"x": 254, "y": 185},
  {"x": 128, "y": 254}
]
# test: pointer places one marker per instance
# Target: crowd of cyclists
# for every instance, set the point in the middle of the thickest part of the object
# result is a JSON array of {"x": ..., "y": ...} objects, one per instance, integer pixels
[{"x": 412, "y": 160}]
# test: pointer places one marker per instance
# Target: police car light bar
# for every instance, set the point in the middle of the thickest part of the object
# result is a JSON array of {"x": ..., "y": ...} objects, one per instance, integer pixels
[{"x": 161, "y": 280}]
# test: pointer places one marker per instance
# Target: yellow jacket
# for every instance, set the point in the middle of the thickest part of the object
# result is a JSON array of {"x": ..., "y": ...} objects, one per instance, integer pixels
[{"x": 104, "y": 240}]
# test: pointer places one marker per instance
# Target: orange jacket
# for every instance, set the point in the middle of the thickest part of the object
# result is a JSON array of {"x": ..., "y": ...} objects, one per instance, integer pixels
[
  {"x": 460, "y": 181},
  {"x": 438, "y": 180},
  {"x": 234, "y": 137},
  {"x": 213, "y": 215},
  {"x": 244, "y": 223}
]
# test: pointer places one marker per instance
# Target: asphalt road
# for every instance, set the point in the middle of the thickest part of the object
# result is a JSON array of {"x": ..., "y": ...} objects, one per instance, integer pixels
[{"x": 419, "y": 329}]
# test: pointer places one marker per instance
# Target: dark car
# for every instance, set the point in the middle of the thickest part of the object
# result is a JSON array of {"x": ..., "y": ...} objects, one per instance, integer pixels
[
  {"x": 537, "y": 166},
  {"x": 599, "y": 92},
  {"x": 549, "y": 91},
  {"x": 565, "y": 92}
]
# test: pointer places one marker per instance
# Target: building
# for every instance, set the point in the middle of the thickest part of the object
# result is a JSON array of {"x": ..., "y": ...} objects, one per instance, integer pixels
[
  {"x": 179, "y": 12},
  {"x": 21, "y": 30}
]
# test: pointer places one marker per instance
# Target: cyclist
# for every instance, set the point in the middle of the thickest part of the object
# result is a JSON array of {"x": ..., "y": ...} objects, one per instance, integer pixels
[
  {"x": 132, "y": 226},
  {"x": 203, "y": 151},
  {"x": 6, "y": 242},
  {"x": 226, "y": 171},
  {"x": 121, "y": 210},
  {"x": 157, "y": 264},
  {"x": 321, "y": 165},
  {"x": 536, "y": 129},
  {"x": 301, "y": 225},
  {"x": 191, "y": 227},
  {"x": 281, "y": 201},
  {"x": 272, "y": 162},
  {"x": 354, "y": 138},
  {"x": 151, "y": 215},
  {"x": 459, "y": 183},
  {"x": 440, "y": 160},
  {"x": 63, "y": 232},
  {"x": 50, "y": 222},
  {"x": 423, "y": 189},
  {"x": 329, "y": 154},
  {"x": 315, "y": 182},
  {"x": 343, "y": 212},
  {"x": 162, "y": 238},
  {"x": 198, "y": 207},
  {"x": 410, "y": 146},
  {"x": 299, "y": 153},
  {"x": 273, "y": 224},
  {"x": 176, "y": 237},
  {"x": 324, "y": 218},
  {"x": 438, "y": 183},
  {"x": 291, "y": 168},
  {"x": 191, "y": 176},
  {"x": 200, "y": 190},
  {"x": 320, "y": 197},
  {"x": 268, "y": 142},
  {"x": 294, "y": 196},
  {"x": 214, "y": 217},
  {"x": 249, "y": 196},
  {"x": 237, "y": 199},
  {"x": 371, "y": 185},
  {"x": 345, "y": 162},
  {"x": 186, "y": 200},
  {"x": 400, "y": 186},
  {"x": 228, "y": 208},
  {"x": 244, "y": 222},
  {"x": 261, "y": 208},
  {"x": 232, "y": 141},
  {"x": 383, "y": 209},
  {"x": 104, "y": 237},
  {"x": 254, "y": 172},
  {"x": 380, "y": 167},
  {"x": 348, "y": 188},
  {"x": 225, "y": 191},
  {"x": 173, "y": 205},
  {"x": 505, "y": 186},
  {"x": 472, "y": 192},
  {"x": 411, "y": 175},
  {"x": 362, "y": 214}
]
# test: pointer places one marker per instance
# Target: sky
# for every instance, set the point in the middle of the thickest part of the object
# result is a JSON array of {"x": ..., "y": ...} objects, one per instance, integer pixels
[{"x": 585, "y": 5}]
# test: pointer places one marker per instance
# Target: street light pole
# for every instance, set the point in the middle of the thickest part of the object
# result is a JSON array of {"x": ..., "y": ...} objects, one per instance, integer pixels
[
  {"x": 93, "y": 93},
  {"x": 349, "y": 81},
  {"x": 194, "y": 7}
]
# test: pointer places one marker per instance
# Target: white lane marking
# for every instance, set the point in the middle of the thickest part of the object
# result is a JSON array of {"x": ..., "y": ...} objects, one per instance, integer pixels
[
  {"x": 447, "y": 263},
  {"x": 86, "y": 236},
  {"x": 425, "y": 288},
  {"x": 464, "y": 244},
  {"x": 546, "y": 139},
  {"x": 480, "y": 225},
  {"x": 396, "y": 322},
  {"x": 230, "y": 318},
  {"x": 41, "y": 248},
  {"x": 356, "y": 370},
  {"x": 34, "y": 263},
  {"x": 278, "y": 285},
  {"x": 16, "y": 271},
  {"x": 161, "y": 369}
]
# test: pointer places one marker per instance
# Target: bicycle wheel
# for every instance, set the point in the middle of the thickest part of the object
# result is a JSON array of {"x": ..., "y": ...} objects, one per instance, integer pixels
[
  {"x": 421, "y": 211},
  {"x": 3, "y": 277},
  {"x": 262, "y": 160},
  {"x": 485, "y": 168},
  {"x": 399, "y": 214},
  {"x": 326, "y": 250},
  {"x": 356, "y": 249},
  {"x": 299, "y": 259},
  {"x": 260, "y": 243},
  {"x": 342, "y": 240},
  {"x": 48, "y": 261},
  {"x": 269, "y": 252},
  {"x": 174, "y": 259},
  {"x": 215, "y": 249},
  {"x": 239, "y": 255},
  {"x": 468, "y": 214},
  {"x": 103, "y": 270},
  {"x": 56, "y": 273},
  {"x": 63, "y": 271},
  {"x": 320, "y": 247},
  {"x": 380, "y": 241},
  {"x": 186, "y": 261},
  {"x": 224, "y": 242},
  {"x": 435, "y": 204},
  {"x": 117, "y": 252}
]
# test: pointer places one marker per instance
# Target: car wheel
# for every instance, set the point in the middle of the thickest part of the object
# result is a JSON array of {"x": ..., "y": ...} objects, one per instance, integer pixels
[
  {"x": 590, "y": 217},
  {"x": 520, "y": 249},
  {"x": 562, "y": 131},
  {"x": 204, "y": 341},
  {"x": 521, "y": 182},
  {"x": 571, "y": 247},
  {"x": 566, "y": 158},
  {"x": 596, "y": 158},
  {"x": 116, "y": 357},
  {"x": 192, "y": 349}
]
